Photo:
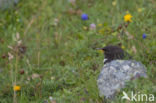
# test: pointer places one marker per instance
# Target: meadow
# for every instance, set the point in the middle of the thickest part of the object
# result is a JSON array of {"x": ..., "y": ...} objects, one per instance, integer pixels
[{"x": 48, "y": 51}]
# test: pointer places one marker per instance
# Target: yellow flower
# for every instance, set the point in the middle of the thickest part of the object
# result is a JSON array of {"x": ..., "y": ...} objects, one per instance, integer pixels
[
  {"x": 123, "y": 47},
  {"x": 99, "y": 25},
  {"x": 17, "y": 88},
  {"x": 85, "y": 28},
  {"x": 114, "y": 3},
  {"x": 139, "y": 9},
  {"x": 127, "y": 18}
]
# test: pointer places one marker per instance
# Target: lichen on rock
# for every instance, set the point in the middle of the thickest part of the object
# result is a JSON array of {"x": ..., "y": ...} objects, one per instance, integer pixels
[{"x": 115, "y": 74}]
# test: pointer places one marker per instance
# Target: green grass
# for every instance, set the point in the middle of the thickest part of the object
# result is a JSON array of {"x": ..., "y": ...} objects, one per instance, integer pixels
[{"x": 64, "y": 56}]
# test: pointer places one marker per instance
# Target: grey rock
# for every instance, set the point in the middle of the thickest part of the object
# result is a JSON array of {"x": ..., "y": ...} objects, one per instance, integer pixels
[
  {"x": 115, "y": 74},
  {"x": 7, "y": 3}
]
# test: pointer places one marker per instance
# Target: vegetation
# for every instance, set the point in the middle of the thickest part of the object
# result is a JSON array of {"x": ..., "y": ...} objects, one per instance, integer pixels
[{"x": 48, "y": 50}]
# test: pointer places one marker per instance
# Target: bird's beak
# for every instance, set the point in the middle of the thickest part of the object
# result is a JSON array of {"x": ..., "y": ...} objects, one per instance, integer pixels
[{"x": 101, "y": 49}]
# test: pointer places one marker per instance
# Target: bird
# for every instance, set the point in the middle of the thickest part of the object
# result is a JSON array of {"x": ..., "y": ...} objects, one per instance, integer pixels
[{"x": 113, "y": 53}]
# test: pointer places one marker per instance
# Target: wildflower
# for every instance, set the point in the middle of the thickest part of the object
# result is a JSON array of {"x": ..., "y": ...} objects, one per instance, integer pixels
[
  {"x": 144, "y": 36},
  {"x": 127, "y": 18},
  {"x": 114, "y": 3},
  {"x": 85, "y": 28},
  {"x": 84, "y": 17},
  {"x": 99, "y": 25},
  {"x": 92, "y": 26},
  {"x": 139, "y": 9},
  {"x": 123, "y": 47},
  {"x": 17, "y": 88}
]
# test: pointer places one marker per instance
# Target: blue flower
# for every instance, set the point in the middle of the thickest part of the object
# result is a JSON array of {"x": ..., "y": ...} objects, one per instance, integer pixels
[
  {"x": 84, "y": 17},
  {"x": 144, "y": 36}
]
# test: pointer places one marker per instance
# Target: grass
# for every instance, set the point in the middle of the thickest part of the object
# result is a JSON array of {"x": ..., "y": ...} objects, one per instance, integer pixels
[{"x": 60, "y": 59}]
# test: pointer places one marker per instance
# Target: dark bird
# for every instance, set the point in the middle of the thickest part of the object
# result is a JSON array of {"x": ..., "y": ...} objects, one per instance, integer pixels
[{"x": 113, "y": 53}]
